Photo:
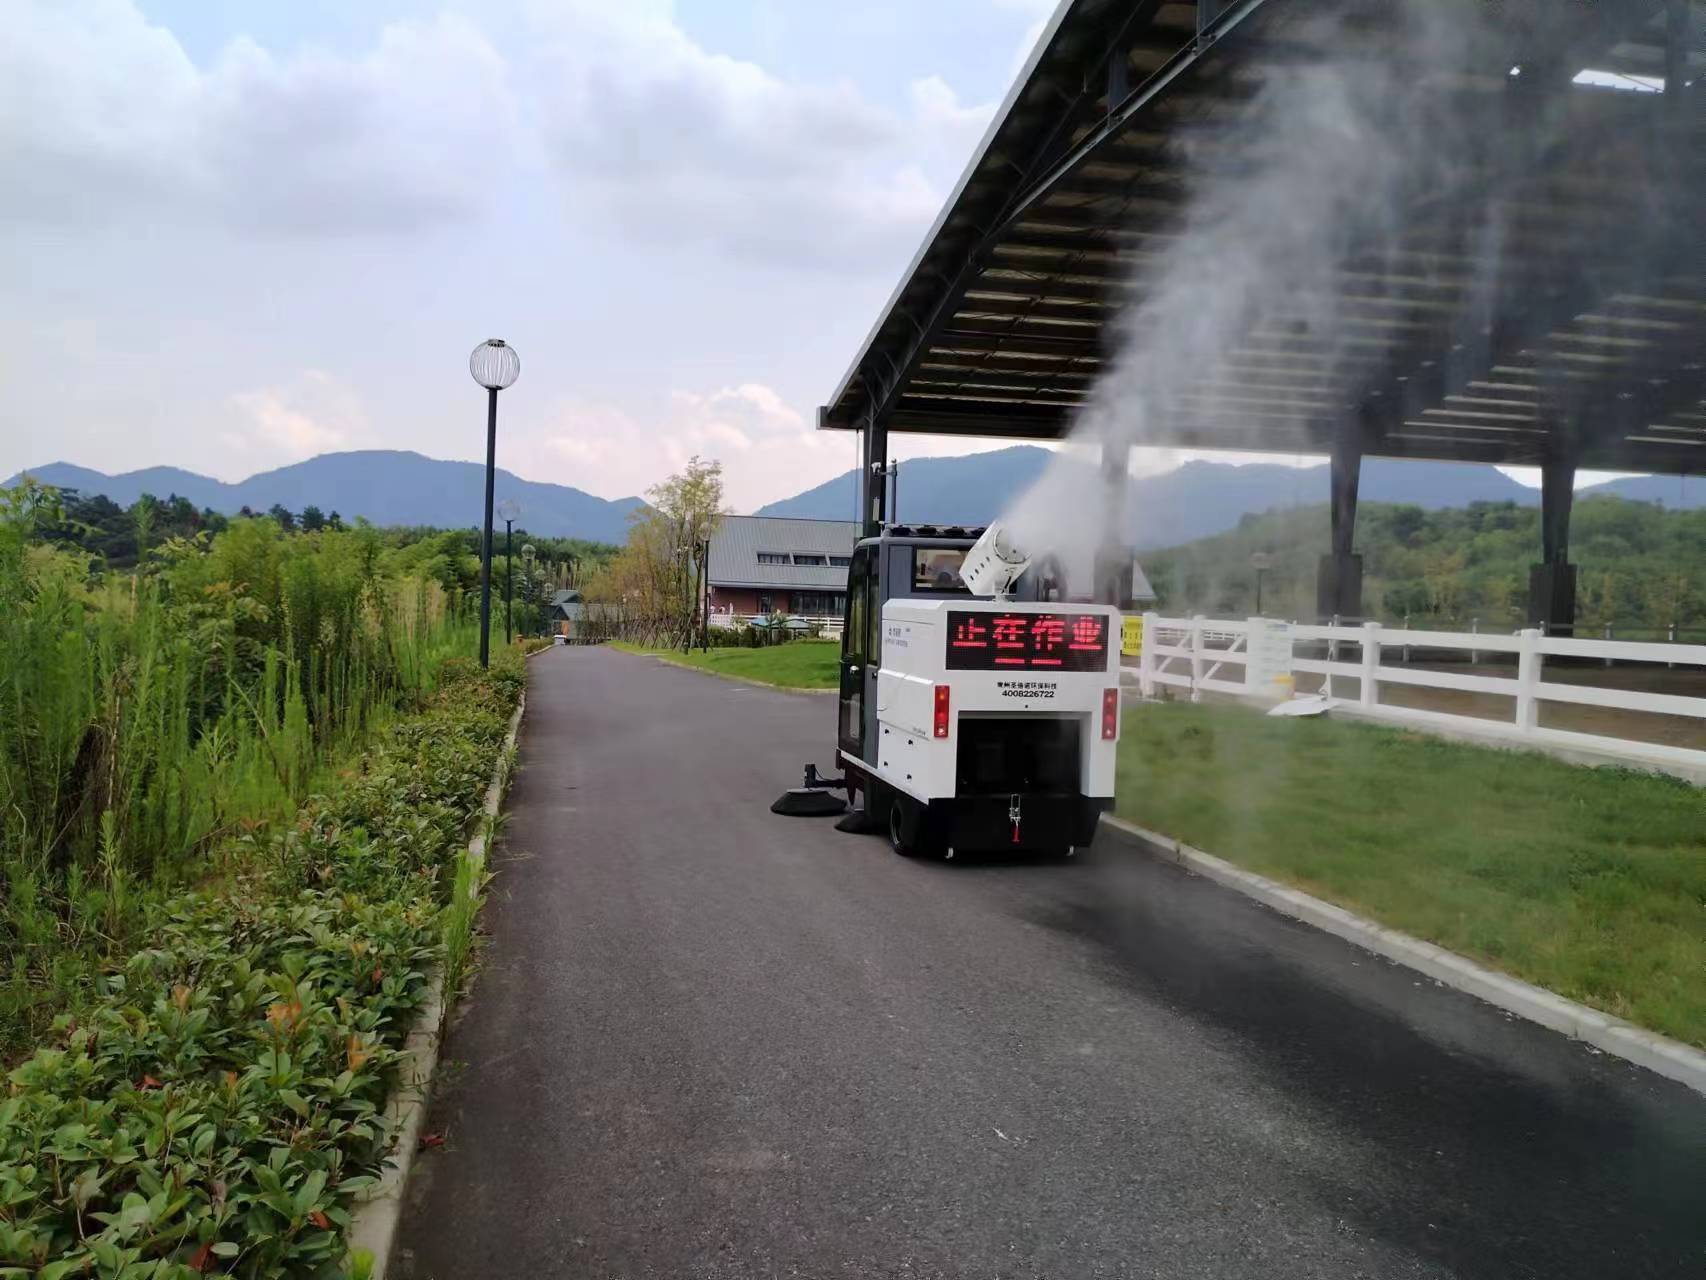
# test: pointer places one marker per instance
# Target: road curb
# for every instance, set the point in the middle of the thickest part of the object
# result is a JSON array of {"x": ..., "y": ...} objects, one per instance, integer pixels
[
  {"x": 373, "y": 1224},
  {"x": 1669, "y": 1058}
]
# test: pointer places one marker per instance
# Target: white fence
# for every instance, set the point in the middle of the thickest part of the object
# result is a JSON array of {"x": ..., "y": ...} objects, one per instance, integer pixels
[
  {"x": 825, "y": 624},
  {"x": 1275, "y": 659}
]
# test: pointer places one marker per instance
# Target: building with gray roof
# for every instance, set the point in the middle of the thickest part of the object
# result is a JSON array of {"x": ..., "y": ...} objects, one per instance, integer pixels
[{"x": 770, "y": 564}]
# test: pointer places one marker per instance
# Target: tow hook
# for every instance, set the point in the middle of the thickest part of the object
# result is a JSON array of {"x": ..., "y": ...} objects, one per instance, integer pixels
[{"x": 1013, "y": 814}]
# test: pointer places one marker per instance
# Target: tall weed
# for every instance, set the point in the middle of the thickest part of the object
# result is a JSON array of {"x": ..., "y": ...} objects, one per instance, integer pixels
[{"x": 149, "y": 719}]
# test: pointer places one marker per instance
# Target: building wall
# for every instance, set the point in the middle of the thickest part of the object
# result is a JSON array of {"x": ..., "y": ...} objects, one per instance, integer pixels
[
  {"x": 745, "y": 602},
  {"x": 739, "y": 600}
]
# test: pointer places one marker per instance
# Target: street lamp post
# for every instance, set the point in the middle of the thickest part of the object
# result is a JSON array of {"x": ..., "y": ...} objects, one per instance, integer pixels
[
  {"x": 509, "y": 509},
  {"x": 495, "y": 366},
  {"x": 527, "y": 554}
]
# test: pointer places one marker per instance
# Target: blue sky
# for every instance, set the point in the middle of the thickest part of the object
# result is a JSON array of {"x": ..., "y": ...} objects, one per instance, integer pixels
[{"x": 258, "y": 231}]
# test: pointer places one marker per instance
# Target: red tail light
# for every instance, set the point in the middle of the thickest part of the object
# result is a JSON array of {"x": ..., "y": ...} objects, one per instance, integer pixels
[
  {"x": 941, "y": 711},
  {"x": 1110, "y": 713}
]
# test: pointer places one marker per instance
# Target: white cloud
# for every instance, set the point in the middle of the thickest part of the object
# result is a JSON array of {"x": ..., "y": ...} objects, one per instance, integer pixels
[
  {"x": 178, "y": 209},
  {"x": 684, "y": 146},
  {"x": 274, "y": 426},
  {"x": 647, "y": 129},
  {"x": 109, "y": 119},
  {"x": 767, "y": 447}
]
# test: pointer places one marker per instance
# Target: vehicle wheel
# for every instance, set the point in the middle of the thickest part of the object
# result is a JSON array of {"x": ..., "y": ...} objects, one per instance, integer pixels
[{"x": 898, "y": 841}]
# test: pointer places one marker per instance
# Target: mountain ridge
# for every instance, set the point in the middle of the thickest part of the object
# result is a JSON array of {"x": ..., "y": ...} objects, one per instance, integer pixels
[
  {"x": 384, "y": 486},
  {"x": 1198, "y": 499}
]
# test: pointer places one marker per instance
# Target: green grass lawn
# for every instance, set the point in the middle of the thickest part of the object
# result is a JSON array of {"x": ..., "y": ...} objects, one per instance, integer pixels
[
  {"x": 798, "y": 664},
  {"x": 1590, "y": 882}
]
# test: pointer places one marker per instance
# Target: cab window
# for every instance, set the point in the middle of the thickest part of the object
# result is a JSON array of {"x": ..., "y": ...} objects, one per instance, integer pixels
[
  {"x": 873, "y": 613},
  {"x": 937, "y": 570},
  {"x": 858, "y": 605}
]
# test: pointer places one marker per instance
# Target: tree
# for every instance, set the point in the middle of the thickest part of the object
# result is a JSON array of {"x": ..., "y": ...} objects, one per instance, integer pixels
[
  {"x": 286, "y": 521},
  {"x": 1443, "y": 575},
  {"x": 651, "y": 582},
  {"x": 313, "y": 519},
  {"x": 1406, "y": 524}
]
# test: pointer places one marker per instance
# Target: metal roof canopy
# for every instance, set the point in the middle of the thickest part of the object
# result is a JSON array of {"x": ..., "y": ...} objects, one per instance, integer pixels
[{"x": 1583, "y": 348}]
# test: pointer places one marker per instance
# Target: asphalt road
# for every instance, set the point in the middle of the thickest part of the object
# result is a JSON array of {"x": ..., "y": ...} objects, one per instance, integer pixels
[{"x": 712, "y": 1042}]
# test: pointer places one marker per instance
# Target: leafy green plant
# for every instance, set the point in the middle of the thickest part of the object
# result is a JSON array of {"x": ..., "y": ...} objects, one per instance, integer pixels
[
  {"x": 223, "y": 1100},
  {"x": 149, "y": 720},
  {"x": 217, "y": 1104},
  {"x": 234, "y": 786}
]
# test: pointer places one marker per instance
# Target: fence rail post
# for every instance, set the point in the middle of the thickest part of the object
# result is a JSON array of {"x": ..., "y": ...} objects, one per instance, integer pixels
[
  {"x": 1196, "y": 658},
  {"x": 1527, "y": 680},
  {"x": 1146, "y": 655},
  {"x": 1370, "y": 696}
]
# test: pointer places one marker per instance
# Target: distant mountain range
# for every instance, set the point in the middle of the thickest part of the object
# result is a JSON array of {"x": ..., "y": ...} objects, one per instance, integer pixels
[
  {"x": 392, "y": 487},
  {"x": 1200, "y": 498},
  {"x": 386, "y": 486}
]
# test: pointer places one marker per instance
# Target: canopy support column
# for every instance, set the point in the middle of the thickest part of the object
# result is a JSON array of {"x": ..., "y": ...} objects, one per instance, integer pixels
[
  {"x": 1338, "y": 580},
  {"x": 1552, "y": 582},
  {"x": 873, "y": 478}
]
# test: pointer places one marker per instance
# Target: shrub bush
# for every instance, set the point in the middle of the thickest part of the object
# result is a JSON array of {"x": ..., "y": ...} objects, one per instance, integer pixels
[{"x": 221, "y": 1099}]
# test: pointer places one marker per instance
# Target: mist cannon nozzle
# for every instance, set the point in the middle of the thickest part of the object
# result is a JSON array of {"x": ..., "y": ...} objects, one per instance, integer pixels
[{"x": 994, "y": 563}]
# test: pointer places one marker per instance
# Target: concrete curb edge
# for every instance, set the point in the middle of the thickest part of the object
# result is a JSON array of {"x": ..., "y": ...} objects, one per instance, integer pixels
[
  {"x": 373, "y": 1223},
  {"x": 1669, "y": 1058}
]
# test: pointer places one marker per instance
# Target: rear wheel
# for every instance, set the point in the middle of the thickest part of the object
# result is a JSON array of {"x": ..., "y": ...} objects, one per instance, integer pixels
[{"x": 899, "y": 838}]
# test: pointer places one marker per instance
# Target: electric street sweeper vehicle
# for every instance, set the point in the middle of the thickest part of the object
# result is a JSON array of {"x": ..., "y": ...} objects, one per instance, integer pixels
[{"x": 970, "y": 719}]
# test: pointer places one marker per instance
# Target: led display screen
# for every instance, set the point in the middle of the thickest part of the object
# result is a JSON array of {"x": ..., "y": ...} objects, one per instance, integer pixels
[{"x": 1027, "y": 641}]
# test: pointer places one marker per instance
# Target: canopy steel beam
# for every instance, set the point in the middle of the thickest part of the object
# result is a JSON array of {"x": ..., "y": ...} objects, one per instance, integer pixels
[{"x": 883, "y": 390}]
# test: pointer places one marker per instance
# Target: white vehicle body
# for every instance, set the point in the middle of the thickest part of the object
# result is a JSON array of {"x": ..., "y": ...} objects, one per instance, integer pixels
[
  {"x": 967, "y": 719},
  {"x": 1019, "y": 740},
  {"x": 911, "y": 758}
]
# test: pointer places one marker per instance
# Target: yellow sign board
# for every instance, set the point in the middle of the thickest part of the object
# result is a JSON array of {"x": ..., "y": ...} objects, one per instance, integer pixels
[{"x": 1131, "y": 636}]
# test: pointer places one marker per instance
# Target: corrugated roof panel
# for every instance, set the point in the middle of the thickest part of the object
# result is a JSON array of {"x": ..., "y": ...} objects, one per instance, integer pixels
[{"x": 737, "y": 541}]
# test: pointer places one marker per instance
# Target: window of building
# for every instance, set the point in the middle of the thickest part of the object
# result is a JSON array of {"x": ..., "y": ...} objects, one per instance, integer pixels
[
  {"x": 819, "y": 603},
  {"x": 766, "y": 605},
  {"x": 801, "y": 557},
  {"x": 772, "y": 557},
  {"x": 840, "y": 562}
]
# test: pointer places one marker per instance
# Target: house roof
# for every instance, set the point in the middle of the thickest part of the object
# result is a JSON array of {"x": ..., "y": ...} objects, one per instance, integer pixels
[{"x": 737, "y": 541}]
